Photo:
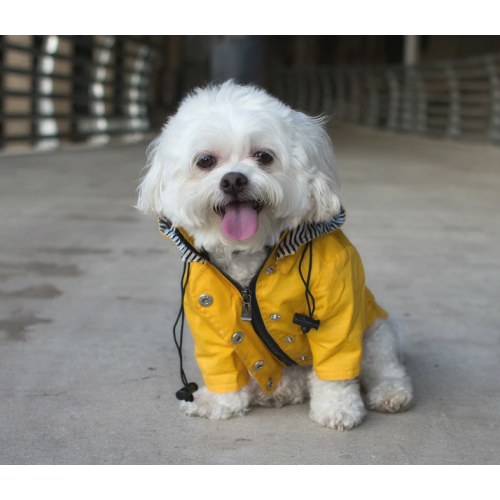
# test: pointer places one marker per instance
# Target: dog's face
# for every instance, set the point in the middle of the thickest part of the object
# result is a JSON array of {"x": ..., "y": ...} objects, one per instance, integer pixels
[{"x": 234, "y": 167}]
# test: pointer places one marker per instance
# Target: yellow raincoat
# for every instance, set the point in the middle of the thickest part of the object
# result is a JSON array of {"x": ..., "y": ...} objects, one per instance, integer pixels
[{"x": 228, "y": 348}]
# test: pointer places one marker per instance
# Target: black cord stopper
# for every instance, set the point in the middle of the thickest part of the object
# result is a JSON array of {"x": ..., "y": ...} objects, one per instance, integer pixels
[
  {"x": 305, "y": 322},
  {"x": 186, "y": 393}
]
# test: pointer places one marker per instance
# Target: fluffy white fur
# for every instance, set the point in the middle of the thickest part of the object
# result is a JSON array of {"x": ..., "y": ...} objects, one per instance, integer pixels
[{"x": 231, "y": 123}]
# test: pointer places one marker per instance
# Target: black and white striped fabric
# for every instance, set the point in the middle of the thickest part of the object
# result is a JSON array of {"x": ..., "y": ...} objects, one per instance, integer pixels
[
  {"x": 188, "y": 252},
  {"x": 289, "y": 245},
  {"x": 307, "y": 232}
]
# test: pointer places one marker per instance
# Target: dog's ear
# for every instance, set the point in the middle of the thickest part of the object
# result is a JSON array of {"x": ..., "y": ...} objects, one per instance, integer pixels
[
  {"x": 151, "y": 187},
  {"x": 323, "y": 180}
]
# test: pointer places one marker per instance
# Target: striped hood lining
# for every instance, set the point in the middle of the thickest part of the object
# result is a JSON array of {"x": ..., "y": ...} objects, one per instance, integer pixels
[
  {"x": 289, "y": 245},
  {"x": 304, "y": 233},
  {"x": 188, "y": 252}
]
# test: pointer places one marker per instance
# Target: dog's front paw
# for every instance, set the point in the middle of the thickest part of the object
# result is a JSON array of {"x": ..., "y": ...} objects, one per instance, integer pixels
[
  {"x": 339, "y": 416},
  {"x": 216, "y": 406},
  {"x": 390, "y": 396},
  {"x": 336, "y": 404}
]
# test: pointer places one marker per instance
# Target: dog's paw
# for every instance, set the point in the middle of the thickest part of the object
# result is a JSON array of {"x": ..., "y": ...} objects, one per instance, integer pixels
[
  {"x": 338, "y": 416},
  {"x": 336, "y": 404},
  {"x": 216, "y": 406},
  {"x": 390, "y": 396}
]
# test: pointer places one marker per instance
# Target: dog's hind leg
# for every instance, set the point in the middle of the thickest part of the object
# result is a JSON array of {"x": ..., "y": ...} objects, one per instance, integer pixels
[{"x": 383, "y": 377}]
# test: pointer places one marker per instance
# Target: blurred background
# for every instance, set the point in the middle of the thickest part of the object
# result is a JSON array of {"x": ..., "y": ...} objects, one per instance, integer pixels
[
  {"x": 89, "y": 290},
  {"x": 56, "y": 89}
]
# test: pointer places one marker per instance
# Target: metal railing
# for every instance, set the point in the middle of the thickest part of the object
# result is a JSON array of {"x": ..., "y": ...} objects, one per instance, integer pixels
[
  {"x": 458, "y": 99},
  {"x": 56, "y": 88}
]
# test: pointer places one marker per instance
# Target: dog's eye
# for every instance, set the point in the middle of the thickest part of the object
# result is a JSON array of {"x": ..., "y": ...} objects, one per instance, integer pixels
[
  {"x": 206, "y": 161},
  {"x": 263, "y": 157}
]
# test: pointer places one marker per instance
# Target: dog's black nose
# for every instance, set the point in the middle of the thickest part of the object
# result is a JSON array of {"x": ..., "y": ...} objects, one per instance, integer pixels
[{"x": 233, "y": 183}]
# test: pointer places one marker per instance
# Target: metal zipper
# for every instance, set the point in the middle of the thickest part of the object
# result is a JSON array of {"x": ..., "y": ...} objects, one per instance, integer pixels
[{"x": 246, "y": 309}]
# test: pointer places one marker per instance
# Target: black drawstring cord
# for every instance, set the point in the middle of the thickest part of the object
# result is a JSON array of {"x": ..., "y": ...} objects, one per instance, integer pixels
[
  {"x": 306, "y": 282},
  {"x": 186, "y": 393},
  {"x": 307, "y": 322}
]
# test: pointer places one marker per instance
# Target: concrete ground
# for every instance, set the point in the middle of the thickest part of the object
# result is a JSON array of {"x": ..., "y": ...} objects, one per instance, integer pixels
[{"x": 89, "y": 290}]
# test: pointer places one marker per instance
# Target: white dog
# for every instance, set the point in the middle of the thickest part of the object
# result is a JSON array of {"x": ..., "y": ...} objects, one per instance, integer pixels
[{"x": 274, "y": 292}]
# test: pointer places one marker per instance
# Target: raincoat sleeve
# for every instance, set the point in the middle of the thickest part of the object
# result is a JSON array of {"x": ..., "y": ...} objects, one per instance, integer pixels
[{"x": 337, "y": 344}]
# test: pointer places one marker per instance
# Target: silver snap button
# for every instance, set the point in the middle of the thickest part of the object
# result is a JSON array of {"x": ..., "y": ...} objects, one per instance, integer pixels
[
  {"x": 258, "y": 365},
  {"x": 270, "y": 384},
  {"x": 237, "y": 337},
  {"x": 275, "y": 316},
  {"x": 205, "y": 300},
  {"x": 270, "y": 270},
  {"x": 303, "y": 358},
  {"x": 289, "y": 339}
]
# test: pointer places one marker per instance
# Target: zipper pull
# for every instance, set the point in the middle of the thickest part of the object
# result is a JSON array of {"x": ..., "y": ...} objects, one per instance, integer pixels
[{"x": 246, "y": 310}]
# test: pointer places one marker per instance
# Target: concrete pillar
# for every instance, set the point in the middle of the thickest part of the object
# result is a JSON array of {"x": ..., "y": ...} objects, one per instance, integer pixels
[{"x": 411, "y": 52}]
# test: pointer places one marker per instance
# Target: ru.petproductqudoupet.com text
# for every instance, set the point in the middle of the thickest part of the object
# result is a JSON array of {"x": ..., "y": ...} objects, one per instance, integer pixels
[{"x": 370, "y": 482}]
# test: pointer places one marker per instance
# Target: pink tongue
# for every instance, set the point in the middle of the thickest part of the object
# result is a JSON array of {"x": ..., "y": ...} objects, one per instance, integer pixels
[{"x": 240, "y": 221}]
